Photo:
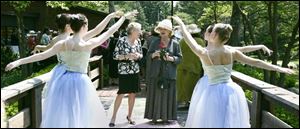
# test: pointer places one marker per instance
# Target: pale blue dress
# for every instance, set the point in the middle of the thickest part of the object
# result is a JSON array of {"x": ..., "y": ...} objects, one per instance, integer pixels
[
  {"x": 71, "y": 100},
  {"x": 217, "y": 101}
]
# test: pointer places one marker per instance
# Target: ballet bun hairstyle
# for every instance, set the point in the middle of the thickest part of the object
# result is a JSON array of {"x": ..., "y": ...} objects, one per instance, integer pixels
[
  {"x": 77, "y": 21},
  {"x": 223, "y": 31},
  {"x": 62, "y": 20}
]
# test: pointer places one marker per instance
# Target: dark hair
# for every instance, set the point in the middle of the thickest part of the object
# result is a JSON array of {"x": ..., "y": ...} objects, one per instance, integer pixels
[
  {"x": 210, "y": 28},
  {"x": 224, "y": 31},
  {"x": 77, "y": 21},
  {"x": 62, "y": 20}
]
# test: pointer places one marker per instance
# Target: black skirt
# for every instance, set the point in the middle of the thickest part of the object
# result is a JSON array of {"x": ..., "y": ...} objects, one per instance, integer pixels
[{"x": 129, "y": 83}]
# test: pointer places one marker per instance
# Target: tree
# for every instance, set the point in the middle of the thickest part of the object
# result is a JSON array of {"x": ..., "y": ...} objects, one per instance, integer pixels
[
  {"x": 111, "y": 8},
  {"x": 287, "y": 55},
  {"x": 19, "y": 8},
  {"x": 235, "y": 22},
  {"x": 248, "y": 24},
  {"x": 195, "y": 9},
  {"x": 156, "y": 10},
  {"x": 94, "y": 5},
  {"x": 273, "y": 27}
]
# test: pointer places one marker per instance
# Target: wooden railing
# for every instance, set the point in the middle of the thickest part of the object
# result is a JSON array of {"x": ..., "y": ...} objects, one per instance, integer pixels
[
  {"x": 96, "y": 74},
  {"x": 264, "y": 99},
  {"x": 28, "y": 94}
]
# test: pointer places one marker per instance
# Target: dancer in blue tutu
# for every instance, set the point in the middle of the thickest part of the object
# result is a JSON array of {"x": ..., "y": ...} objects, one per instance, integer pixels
[
  {"x": 71, "y": 99},
  {"x": 202, "y": 82},
  {"x": 221, "y": 102},
  {"x": 63, "y": 24}
]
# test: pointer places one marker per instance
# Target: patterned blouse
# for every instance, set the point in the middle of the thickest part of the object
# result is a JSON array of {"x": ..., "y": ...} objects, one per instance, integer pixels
[{"x": 123, "y": 47}]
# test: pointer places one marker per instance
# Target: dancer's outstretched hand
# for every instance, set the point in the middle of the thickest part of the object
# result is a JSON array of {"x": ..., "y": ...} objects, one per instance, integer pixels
[
  {"x": 36, "y": 50},
  {"x": 286, "y": 70},
  {"x": 117, "y": 14},
  {"x": 12, "y": 65},
  {"x": 131, "y": 14},
  {"x": 266, "y": 50},
  {"x": 178, "y": 20}
]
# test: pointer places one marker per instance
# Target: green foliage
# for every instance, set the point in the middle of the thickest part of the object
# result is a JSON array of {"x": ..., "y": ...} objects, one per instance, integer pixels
[
  {"x": 11, "y": 77},
  {"x": 248, "y": 94},
  {"x": 6, "y": 58},
  {"x": 287, "y": 116},
  {"x": 94, "y": 5},
  {"x": 155, "y": 11},
  {"x": 250, "y": 71},
  {"x": 149, "y": 11},
  {"x": 186, "y": 18},
  {"x": 42, "y": 71},
  {"x": 221, "y": 11},
  {"x": 19, "y": 6},
  {"x": 194, "y": 9},
  {"x": 11, "y": 110}
]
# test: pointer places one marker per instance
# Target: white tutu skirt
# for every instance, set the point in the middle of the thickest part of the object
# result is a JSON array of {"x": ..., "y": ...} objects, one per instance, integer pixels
[
  {"x": 220, "y": 105},
  {"x": 71, "y": 101}
]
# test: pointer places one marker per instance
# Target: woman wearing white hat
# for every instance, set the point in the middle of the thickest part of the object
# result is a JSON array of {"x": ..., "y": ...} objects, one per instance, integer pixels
[{"x": 165, "y": 55}]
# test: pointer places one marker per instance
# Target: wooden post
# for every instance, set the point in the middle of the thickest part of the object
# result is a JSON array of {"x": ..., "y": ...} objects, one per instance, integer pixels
[
  {"x": 101, "y": 78},
  {"x": 256, "y": 110},
  {"x": 89, "y": 70},
  {"x": 3, "y": 116},
  {"x": 36, "y": 106}
]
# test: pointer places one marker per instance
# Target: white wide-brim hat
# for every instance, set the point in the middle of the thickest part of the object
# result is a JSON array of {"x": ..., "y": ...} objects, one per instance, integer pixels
[
  {"x": 32, "y": 33},
  {"x": 193, "y": 29},
  {"x": 166, "y": 24}
]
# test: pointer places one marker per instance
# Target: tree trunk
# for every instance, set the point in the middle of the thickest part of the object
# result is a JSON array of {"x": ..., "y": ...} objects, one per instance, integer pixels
[
  {"x": 111, "y": 8},
  {"x": 273, "y": 23},
  {"x": 287, "y": 54},
  {"x": 215, "y": 11},
  {"x": 253, "y": 39},
  {"x": 235, "y": 22},
  {"x": 23, "y": 46}
]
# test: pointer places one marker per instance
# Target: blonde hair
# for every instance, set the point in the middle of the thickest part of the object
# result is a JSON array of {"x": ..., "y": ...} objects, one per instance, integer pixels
[{"x": 133, "y": 25}]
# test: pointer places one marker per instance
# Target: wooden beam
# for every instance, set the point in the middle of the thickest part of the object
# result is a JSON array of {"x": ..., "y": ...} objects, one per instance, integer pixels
[
  {"x": 283, "y": 97},
  {"x": 94, "y": 73},
  {"x": 36, "y": 107},
  {"x": 256, "y": 110},
  {"x": 271, "y": 121},
  {"x": 21, "y": 120},
  {"x": 3, "y": 116},
  {"x": 24, "y": 86}
]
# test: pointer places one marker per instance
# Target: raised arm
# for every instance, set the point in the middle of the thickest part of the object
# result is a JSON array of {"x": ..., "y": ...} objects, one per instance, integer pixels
[
  {"x": 252, "y": 48},
  {"x": 100, "y": 27},
  {"x": 36, "y": 57},
  {"x": 239, "y": 56},
  {"x": 191, "y": 42},
  {"x": 94, "y": 42}
]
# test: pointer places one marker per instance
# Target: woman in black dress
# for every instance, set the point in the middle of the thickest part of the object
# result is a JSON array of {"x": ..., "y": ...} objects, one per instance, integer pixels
[{"x": 128, "y": 52}]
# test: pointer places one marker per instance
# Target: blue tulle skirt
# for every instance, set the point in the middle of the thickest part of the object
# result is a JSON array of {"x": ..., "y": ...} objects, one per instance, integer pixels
[
  {"x": 220, "y": 105},
  {"x": 71, "y": 101}
]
